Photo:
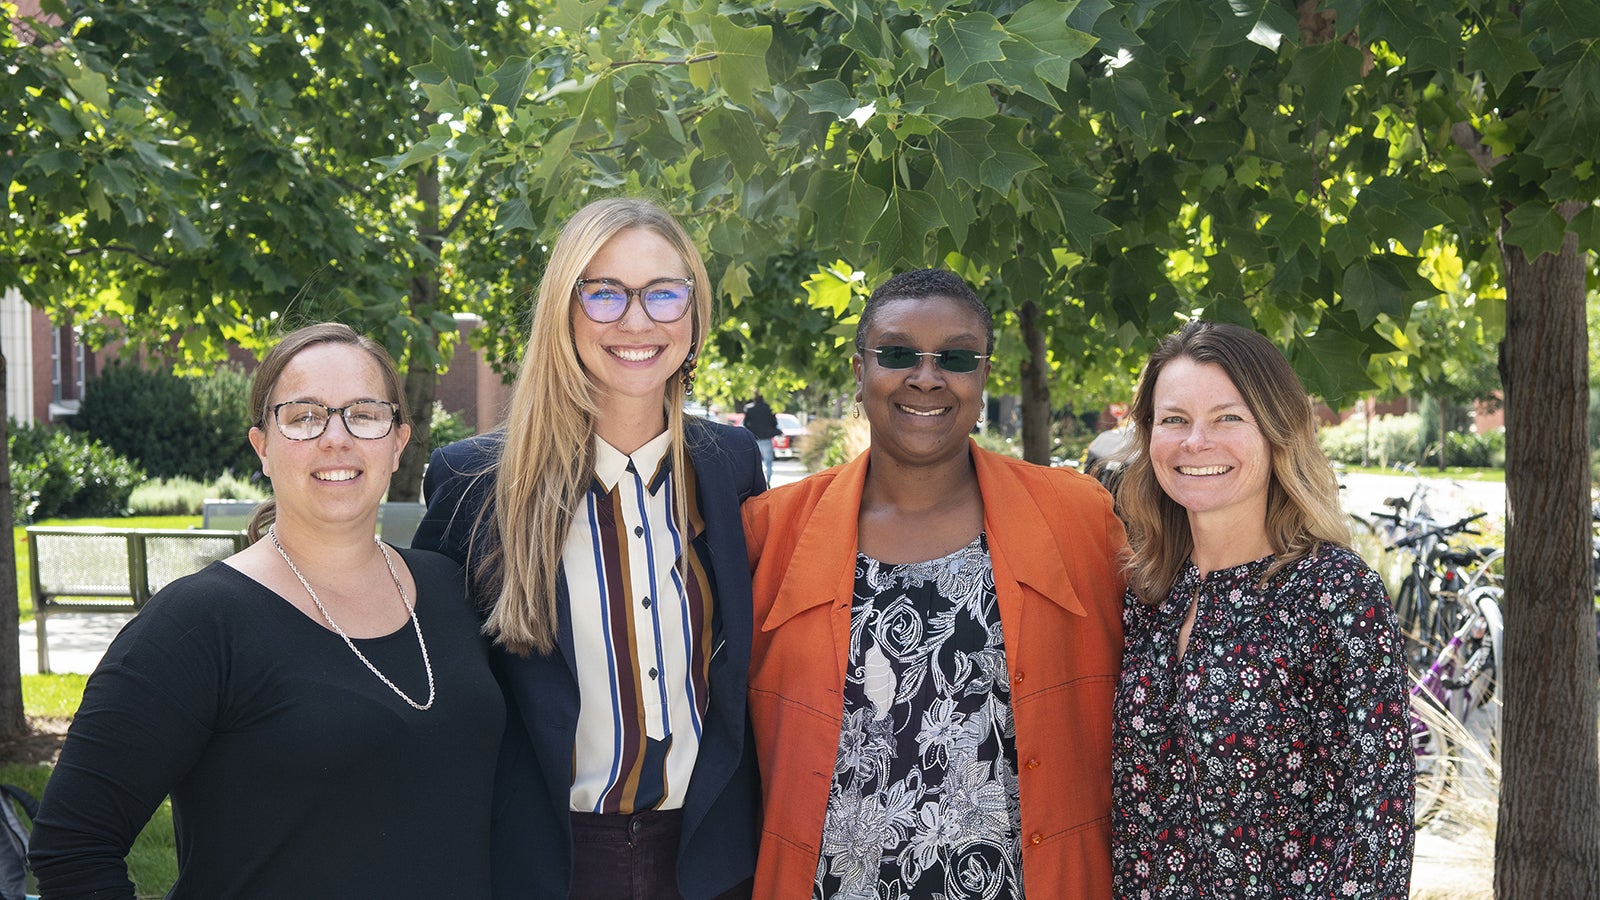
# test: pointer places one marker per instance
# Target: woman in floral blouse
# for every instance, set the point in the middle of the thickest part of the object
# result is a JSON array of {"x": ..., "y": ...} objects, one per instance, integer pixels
[{"x": 1261, "y": 739}]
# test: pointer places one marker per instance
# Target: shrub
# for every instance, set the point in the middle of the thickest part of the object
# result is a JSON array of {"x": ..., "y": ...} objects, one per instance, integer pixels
[
  {"x": 1466, "y": 448},
  {"x": 1392, "y": 439},
  {"x": 56, "y": 472},
  {"x": 833, "y": 442},
  {"x": 191, "y": 427},
  {"x": 186, "y": 497},
  {"x": 446, "y": 428}
]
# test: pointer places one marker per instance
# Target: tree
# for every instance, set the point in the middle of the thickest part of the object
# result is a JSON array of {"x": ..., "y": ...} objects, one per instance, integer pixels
[
  {"x": 1103, "y": 169},
  {"x": 181, "y": 176}
]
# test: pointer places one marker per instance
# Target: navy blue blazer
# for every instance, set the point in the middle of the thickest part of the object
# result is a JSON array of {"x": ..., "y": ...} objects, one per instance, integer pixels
[{"x": 532, "y": 832}]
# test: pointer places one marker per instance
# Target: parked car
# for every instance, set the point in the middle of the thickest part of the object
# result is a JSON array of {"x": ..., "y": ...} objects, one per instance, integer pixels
[{"x": 787, "y": 445}]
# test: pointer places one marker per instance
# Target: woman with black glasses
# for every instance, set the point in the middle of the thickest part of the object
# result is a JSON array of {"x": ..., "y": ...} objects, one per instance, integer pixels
[
  {"x": 601, "y": 531},
  {"x": 319, "y": 705},
  {"x": 938, "y": 630}
]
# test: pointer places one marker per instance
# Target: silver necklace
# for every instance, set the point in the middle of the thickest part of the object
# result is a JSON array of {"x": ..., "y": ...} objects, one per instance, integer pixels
[{"x": 272, "y": 532}]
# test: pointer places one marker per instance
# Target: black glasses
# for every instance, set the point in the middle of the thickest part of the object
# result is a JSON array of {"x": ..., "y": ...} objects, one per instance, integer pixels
[
  {"x": 959, "y": 361},
  {"x": 303, "y": 420},
  {"x": 664, "y": 300}
]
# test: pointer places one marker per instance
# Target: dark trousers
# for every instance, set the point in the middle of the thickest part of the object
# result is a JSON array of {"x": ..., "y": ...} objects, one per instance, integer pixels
[{"x": 629, "y": 857}]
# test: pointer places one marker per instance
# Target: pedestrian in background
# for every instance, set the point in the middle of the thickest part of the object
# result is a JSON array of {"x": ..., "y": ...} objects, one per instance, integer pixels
[
  {"x": 760, "y": 420},
  {"x": 1262, "y": 743}
]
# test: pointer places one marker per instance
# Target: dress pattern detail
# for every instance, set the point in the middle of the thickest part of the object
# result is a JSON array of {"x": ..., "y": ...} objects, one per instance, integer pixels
[
  {"x": 1274, "y": 760},
  {"x": 924, "y": 802}
]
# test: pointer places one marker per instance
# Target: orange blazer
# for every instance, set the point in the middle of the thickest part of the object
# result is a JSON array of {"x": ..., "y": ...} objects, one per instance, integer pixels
[{"x": 1055, "y": 545}]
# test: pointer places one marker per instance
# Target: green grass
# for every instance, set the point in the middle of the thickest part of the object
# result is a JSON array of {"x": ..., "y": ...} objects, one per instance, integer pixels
[
  {"x": 153, "y": 859},
  {"x": 19, "y": 540},
  {"x": 1454, "y": 473}
]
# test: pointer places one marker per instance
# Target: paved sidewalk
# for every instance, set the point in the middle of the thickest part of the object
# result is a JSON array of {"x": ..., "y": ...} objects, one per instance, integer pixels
[{"x": 77, "y": 641}]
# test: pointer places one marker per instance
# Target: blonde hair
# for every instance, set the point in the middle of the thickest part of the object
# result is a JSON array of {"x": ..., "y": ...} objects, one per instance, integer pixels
[
  {"x": 1303, "y": 508},
  {"x": 271, "y": 369},
  {"x": 547, "y": 458}
]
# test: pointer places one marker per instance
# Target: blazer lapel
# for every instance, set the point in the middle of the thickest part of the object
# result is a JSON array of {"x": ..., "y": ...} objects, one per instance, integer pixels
[{"x": 1022, "y": 548}]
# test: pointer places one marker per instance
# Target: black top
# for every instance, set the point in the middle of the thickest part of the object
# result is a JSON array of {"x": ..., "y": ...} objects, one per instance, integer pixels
[
  {"x": 294, "y": 771},
  {"x": 758, "y": 417}
]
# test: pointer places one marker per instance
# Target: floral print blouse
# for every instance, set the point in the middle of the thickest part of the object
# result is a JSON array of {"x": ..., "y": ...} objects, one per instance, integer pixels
[
  {"x": 1274, "y": 760},
  {"x": 924, "y": 802}
]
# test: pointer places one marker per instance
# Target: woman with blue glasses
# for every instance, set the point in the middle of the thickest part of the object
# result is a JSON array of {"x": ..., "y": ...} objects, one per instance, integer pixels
[
  {"x": 601, "y": 530},
  {"x": 938, "y": 631}
]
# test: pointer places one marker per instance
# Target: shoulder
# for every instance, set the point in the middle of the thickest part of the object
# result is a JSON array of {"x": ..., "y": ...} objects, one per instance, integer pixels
[
  {"x": 431, "y": 564},
  {"x": 1336, "y": 585},
  {"x": 1060, "y": 493},
  {"x": 471, "y": 455},
  {"x": 704, "y": 432}
]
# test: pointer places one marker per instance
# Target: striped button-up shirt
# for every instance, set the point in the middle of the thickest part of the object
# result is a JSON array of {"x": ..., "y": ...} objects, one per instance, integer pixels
[{"x": 641, "y": 629}]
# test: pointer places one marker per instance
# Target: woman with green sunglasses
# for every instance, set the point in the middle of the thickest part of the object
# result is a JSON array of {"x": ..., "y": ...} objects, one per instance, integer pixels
[{"x": 956, "y": 741}]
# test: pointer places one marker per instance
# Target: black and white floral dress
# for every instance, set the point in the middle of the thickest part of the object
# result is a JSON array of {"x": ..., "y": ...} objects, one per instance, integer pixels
[
  {"x": 924, "y": 802},
  {"x": 1274, "y": 760}
]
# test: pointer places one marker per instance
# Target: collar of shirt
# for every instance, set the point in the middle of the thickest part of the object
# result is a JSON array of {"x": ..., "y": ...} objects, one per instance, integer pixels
[{"x": 610, "y": 464}]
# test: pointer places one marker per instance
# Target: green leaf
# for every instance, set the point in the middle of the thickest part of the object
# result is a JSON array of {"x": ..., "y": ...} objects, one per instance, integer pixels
[
  {"x": 731, "y": 134},
  {"x": 742, "y": 59},
  {"x": 90, "y": 86},
  {"x": 1261, "y": 22},
  {"x": 1008, "y": 158},
  {"x": 961, "y": 147},
  {"x": 1331, "y": 363},
  {"x": 456, "y": 61},
  {"x": 1325, "y": 73},
  {"x": 572, "y": 15},
  {"x": 829, "y": 96},
  {"x": 513, "y": 215},
  {"x": 1042, "y": 26},
  {"x": 1386, "y": 284},
  {"x": 902, "y": 230},
  {"x": 1536, "y": 228},
  {"x": 955, "y": 207},
  {"x": 1564, "y": 22},
  {"x": 1083, "y": 221},
  {"x": 422, "y": 150},
  {"x": 967, "y": 40},
  {"x": 1586, "y": 225},
  {"x": 510, "y": 81},
  {"x": 1500, "y": 52}
]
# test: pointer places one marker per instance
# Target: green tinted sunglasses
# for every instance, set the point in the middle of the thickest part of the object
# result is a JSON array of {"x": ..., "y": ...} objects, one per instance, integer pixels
[{"x": 958, "y": 361}]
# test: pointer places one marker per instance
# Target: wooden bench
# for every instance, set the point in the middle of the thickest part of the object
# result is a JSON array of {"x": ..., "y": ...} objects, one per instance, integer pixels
[
  {"x": 89, "y": 570},
  {"x": 397, "y": 521}
]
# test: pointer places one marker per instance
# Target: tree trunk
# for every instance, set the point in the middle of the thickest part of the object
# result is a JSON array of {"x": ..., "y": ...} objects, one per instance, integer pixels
[
  {"x": 13, "y": 723},
  {"x": 1548, "y": 836},
  {"x": 1034, "y": 372},
  {"x": 421, "y": 378}
]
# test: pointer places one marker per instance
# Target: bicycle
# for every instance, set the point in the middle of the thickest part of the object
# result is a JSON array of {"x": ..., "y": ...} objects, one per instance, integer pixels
[
  {"x": 1461, "y": 682},
  {"x": 1437, "y": 572}
]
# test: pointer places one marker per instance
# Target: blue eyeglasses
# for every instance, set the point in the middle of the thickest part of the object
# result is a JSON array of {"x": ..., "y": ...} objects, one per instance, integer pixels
[
  {"x": 955, "y": 360},
  {"x": 664, "y": 300}
]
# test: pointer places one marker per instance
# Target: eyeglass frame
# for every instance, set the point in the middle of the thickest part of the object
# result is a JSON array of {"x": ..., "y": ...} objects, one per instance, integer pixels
[
  {"x": 631, "y": 293},
  {"x": 328, "y": 411},
  {"x": 939, "y": 358}
]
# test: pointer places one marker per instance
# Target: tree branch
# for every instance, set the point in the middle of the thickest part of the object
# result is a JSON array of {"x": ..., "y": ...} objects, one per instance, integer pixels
[{"x": 622, "y": 64}]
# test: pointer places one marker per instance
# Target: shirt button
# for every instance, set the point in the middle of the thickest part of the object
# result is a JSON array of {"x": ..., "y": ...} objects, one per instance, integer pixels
[
  {"x": 1017, "y": 678},
  {"x": 1033, "y": 763},
  {"x": 638, "y": 531},
  {"x": 1037, "y": 839},
  {"x": 652, "y": 673},
  {"x": 645, "y": 603}
]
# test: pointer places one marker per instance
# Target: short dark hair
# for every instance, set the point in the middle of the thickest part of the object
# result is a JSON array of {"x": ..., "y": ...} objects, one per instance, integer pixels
[{"x": 925, "y": 284}]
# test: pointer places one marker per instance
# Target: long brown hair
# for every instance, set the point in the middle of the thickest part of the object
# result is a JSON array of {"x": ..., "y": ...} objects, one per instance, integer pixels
[
  {"x": 547, "y": 457},
  {"x": 1302, "y": 493},
  {"x": 271, "y": 369}
]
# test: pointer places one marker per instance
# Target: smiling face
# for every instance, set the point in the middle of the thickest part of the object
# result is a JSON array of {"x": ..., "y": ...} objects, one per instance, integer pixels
[
  {"x": 334, "y": 478},
  {"x": 631, "y": 359},
  {"x": 922, "y": 415},
  {"x": 1207, "y": 452}
]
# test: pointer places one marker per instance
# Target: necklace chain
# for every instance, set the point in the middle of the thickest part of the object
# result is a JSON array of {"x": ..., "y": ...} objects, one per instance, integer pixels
[{"x": 272, "y": 532}]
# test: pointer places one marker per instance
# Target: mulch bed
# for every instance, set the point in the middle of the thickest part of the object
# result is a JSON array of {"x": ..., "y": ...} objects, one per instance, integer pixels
[{"x": 41, "y": 745}]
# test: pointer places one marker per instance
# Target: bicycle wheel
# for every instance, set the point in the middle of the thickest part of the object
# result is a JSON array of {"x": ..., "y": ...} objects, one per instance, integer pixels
[
  {"x": 1408, "y": 611},
  {"x": 1435, "y": 759}
]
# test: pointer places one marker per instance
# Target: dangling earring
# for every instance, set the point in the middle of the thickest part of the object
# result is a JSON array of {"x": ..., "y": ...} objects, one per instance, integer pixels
[
  {"x": 858, "y": 409},
  {"x": 689, "y": 363}
]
